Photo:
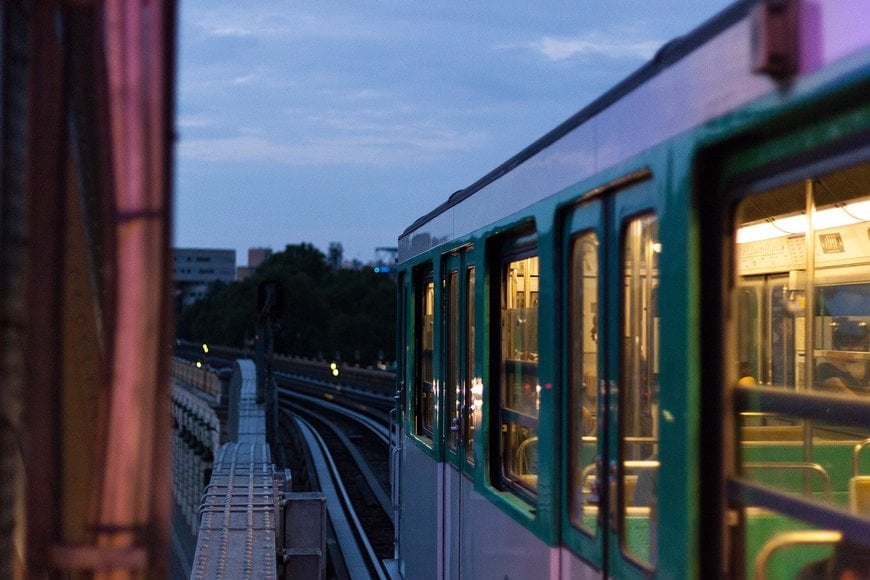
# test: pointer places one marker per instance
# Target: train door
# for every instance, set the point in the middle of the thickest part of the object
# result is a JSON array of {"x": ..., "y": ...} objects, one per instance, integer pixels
[
  {"x": 612, "y": 252},
  {"x": 767, "y": 351},
  {"x": 585, "y": 419},
  {"x": 457, "y": 364},
  {"x": 632, "y": 370}
]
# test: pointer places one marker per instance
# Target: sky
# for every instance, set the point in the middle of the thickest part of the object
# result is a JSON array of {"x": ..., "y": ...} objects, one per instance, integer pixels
[{"x": 324, "y": 121}]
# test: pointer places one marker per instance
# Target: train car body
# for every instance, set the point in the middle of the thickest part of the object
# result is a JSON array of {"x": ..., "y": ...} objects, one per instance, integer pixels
[{"x": 640, "y": 347}]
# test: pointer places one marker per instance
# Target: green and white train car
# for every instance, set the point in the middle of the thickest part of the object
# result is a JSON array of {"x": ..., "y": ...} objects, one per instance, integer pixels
[{"x": 640, "y": 347}]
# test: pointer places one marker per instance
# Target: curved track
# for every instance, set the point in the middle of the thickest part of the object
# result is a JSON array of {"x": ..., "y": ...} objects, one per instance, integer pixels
[
  {"x": 349, "y": 452},
  {"x": 358, "y": 553}
]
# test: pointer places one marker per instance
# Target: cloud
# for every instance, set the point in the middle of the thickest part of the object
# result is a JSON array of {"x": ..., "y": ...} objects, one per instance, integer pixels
[
  {"x": 389, "y": 146},
  {"x": 194, "y": 121},
  {"x": 234, "y": 31},
  {"x": 244, "y": 79},
  {"x": 279, "y": 25},
  {"x": 559, "y": 49}
]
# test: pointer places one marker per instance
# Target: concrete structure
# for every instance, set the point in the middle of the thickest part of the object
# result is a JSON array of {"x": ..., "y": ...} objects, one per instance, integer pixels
[
  {"x": 256, "y": 257},
  {"x": 249, "y": 523},
  {"x": 194, "y": 269}
]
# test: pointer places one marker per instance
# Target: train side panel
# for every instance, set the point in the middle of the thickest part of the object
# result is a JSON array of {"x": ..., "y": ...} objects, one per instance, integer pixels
[
  {"x": 492, "y": 545},
  {"x": 495, "y": 546},
  {"x": 420, "y": 526}
]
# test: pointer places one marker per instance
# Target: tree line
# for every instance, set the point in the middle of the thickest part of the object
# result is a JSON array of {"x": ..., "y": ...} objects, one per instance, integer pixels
[{"x": 326, "y": 311}]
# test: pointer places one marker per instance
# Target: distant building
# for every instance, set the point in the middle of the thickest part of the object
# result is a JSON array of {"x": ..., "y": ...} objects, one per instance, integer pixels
[
  {"x": 194, "y": 269},
  {"x": 256, "y": 257}
]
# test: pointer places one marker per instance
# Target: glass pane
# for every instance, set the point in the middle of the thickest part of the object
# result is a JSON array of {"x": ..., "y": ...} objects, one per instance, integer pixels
[
  {"x": 583, "y": 394},
  {"x": 803, "y": 250},
  {"x": 520, "y": 337},
  {"x": 452, "y": 339},
  {"x": 639, "y": 365},
  {"x": 842, "y": 337},
  {"x": 425, "y": 400},
  {"x": 814, "y": 459},
  {"x": 822, "y": 462},
  {"x": 520, "y": 393},
  {"x": 473, "y": 395},
  {"x": 814, "y": 297}
]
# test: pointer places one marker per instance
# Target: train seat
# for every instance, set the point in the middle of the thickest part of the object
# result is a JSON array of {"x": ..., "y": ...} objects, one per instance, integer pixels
[
  {"x": 772, "y": 433},
  {"x": 526, "y": 459},
  {"x": 859, "y": 494}
]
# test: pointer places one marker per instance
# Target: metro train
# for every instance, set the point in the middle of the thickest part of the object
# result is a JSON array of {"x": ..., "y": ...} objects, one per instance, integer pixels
[{"x": 640, "y": 347}]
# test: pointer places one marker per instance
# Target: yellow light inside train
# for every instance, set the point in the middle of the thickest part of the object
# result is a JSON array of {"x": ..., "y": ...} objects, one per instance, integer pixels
[
  {"x": 335, "y": 372},
  {"x": 841, "y": 215},
  {"x": 860, "y": 210},
  {"x": 758, "y": 232},
  {"x": 794, "y": 224},
  {"x": 198, "y": 364},
  {"x": 825, "y": 219},
  {"x": 477, "y": 393},
  {"x": 205, "y": 348}
]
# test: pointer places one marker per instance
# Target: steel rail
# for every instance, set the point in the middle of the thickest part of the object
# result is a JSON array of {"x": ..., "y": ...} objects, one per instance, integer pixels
[
  {"x": 358, "y": 553},
  {"x": 367, "y": 472},
  {"x": 377, "y": 428},
  {"x": 353, "y": 389}
]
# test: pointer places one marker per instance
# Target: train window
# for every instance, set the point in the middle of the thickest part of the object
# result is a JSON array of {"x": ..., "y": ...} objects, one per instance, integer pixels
[
  {"x": 473, "y": 387},
  {"x": 583, "y": 394},
  {"x": 425, "y": 396},
  {"x": 520, "y": 389},
  {"x": 800, "y": 367},
  {"x": 458, "y": 362},
  {"x": 638, "y": 392},
  {"x": 452, "y": 339}
]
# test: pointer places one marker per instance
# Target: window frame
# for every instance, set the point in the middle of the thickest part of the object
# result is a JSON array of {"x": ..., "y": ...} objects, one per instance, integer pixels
[
  {"x": 424, "y": 290},
  {"x": 518, "y": 246}
]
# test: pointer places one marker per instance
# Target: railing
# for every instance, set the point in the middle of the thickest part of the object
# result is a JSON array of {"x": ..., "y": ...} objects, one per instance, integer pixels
[
  {"x": 196, "y": 439},
  {"x": 200, "y": 379},
  {"x": 379, "y": 381},
  {"x": 788, "y": 539},
  {"x": 808, "y": 467}
]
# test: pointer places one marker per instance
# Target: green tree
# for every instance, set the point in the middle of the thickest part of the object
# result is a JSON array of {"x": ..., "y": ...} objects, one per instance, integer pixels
[{"x": 324, "y": 310}]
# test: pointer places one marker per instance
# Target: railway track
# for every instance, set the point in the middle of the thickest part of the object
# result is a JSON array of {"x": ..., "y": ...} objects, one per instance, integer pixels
[{"x": 348, "y": 461}]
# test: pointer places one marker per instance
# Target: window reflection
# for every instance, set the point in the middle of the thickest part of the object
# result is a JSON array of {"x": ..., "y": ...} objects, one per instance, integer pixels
[
  {"x": 425, "y": 391},
  {"x": 452, "y": 340},
  {"x": 584, "y": 381},
  {"x": 473, "y": 396},
  {"x": 639, "y": 366},
  {"x": 803, "y": 288},
  {"x": 520, "y": 389}
]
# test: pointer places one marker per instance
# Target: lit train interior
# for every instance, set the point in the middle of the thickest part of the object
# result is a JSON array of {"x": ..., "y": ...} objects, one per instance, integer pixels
[
  {"x": 638, "y": 379},
  {"x": 521, "y": 389},
  {"x": 801, "y": 305}
]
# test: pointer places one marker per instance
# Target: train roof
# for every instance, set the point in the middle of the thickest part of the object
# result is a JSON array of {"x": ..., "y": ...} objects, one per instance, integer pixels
[{"x": 733, "y": 90}]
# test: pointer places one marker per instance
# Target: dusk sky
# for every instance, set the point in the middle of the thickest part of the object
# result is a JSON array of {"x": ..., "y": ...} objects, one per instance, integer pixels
[{"x": 321, "y": 121}]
